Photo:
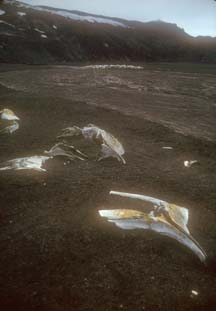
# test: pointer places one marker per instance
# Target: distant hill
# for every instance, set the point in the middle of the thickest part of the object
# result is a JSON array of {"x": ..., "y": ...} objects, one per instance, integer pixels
[{"x": 43, "y": 35}]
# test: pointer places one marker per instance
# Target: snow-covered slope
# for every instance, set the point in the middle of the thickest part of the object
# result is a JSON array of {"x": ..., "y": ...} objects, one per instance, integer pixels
[{"x": 75, "y": 16}]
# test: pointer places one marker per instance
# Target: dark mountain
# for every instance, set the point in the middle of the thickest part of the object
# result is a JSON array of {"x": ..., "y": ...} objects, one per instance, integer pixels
[{"x": 42, "y": 35}]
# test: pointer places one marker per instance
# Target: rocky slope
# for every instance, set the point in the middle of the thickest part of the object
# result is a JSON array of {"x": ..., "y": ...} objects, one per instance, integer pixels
[{"x": 43, "y": 35}]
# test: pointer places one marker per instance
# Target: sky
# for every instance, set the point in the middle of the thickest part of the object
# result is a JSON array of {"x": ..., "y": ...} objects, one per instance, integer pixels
[{"x": 197, "y": 17}]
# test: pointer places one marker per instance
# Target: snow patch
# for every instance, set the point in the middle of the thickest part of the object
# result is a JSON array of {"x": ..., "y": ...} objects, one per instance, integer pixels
[
  {"x": 44, "y": 36},
  {"x": 55, "y": 27},
  {"x": 2, "y": 12},
  {"x": 77, "y": 17},
  {"x": 85, "y": 18},
  {"x": 21, "y": 13}
]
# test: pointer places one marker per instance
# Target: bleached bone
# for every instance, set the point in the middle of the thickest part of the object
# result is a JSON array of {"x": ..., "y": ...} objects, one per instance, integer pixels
[
  {"x": 110, "y": 146},
  {"x": 7, "y": 114},
  {"x": 107, "y": 152},
  {"x": 178, "y": 214},
  {"x": 92, "y": 131},
  {"x": 70, "y": 131},
  {"x": 190, "y": 163},
  {"x": 167, "y": 148},
  {"x": 72, "y": 153},
  {"x": 34, "y": 163},
  {"x": 132, "y": 219},
  {"x": 9, "y": 128},
  {"x": 8, "y": 123}
]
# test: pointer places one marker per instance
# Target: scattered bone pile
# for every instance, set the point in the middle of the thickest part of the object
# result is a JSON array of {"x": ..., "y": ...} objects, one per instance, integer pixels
[
  {"x": 109, "y": 146},
  {"x": 167, "y": 219}
]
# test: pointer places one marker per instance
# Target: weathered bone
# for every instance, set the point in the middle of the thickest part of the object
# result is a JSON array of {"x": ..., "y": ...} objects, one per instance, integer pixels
[{"x": 132, "y": 219}]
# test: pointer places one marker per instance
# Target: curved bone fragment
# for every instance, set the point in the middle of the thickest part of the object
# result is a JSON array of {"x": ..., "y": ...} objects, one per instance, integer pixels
[
  {"x": 8, "y": 123},
  {"x": 132, "y": 219},
  {"x": 70, "y": 131},
  {"x": 94, "y": 132},
  {"x": 62, "y": 149},
  {"x": 110, "y": 146},
  {"x": 7, "y": 114},
  {"x": 177, "y": 214},
  {"x": 190, "y": 163},
  {"x": 8, "y": 127},
  {"x": 34, "y": 163},
  {"x": 107, "y": 152}
]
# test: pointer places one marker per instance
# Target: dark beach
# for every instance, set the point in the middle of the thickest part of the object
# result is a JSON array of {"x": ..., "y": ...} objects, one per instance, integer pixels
[{"x": 57, "y": 253}]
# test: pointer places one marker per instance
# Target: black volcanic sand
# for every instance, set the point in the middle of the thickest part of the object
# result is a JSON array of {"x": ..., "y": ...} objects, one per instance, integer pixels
[{"x": 56, "y": 251}]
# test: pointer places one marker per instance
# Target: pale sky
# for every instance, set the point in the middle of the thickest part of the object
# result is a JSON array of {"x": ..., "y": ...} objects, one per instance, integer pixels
[{"x": 197, "y": 17}]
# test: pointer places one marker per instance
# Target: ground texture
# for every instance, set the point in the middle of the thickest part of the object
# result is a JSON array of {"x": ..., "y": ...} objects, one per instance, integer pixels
[{"x": 56, "y": 252}]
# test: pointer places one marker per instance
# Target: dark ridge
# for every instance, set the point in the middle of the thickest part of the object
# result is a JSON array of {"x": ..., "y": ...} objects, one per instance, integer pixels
[{"x": 82, "y": 41}]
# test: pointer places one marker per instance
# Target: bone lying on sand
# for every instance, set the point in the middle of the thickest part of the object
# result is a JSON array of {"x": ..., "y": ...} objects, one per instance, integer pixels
[
  {"x": 167, "y": 148},
  {"x": 177, "y": 214},
  {"x": 8, "y": 121},
  {"x": 8, "y": 127},
  {"x": 33, "y": 163},
  {"x": 109, "y": 145},
  {"x": 190, "y": 163},
  {"x": 65, "y": 150},
  {"x": 36, "y": 162},
  {"x": 165, "y": 218}
]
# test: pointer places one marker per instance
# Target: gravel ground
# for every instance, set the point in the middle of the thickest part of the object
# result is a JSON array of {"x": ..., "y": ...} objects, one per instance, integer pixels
[{"x": 56, "y": 252}]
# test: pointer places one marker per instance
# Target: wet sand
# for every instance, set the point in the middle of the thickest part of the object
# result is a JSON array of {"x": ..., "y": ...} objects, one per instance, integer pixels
[{"x": 56, "y": 251}]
